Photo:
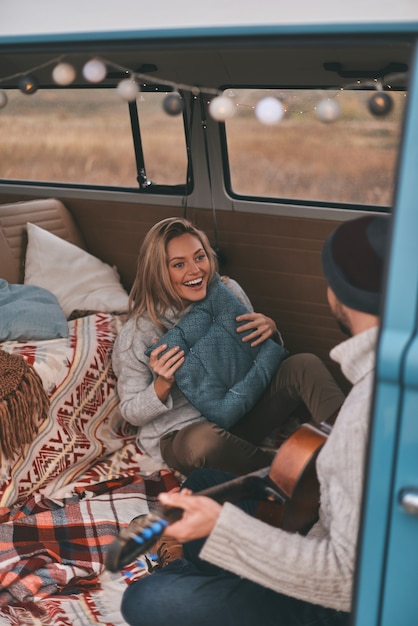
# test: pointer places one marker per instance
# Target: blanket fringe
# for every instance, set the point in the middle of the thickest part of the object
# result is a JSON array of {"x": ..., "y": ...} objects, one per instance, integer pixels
[{"x": 24, "y": 404}]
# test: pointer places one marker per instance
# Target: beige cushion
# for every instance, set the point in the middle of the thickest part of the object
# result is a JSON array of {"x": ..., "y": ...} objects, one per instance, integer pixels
[
  {"x": 78, "y": 279},
  {"x": 50, "y": 214}
]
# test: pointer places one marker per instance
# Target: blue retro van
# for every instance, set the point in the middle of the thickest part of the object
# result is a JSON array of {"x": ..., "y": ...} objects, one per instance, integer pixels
[{"x": 266, "y": 124}]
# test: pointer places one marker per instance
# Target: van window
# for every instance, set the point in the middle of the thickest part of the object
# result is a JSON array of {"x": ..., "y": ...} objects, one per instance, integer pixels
[
  {"x": 84, "y": 136},
  {"x": 301, "y": 157}
]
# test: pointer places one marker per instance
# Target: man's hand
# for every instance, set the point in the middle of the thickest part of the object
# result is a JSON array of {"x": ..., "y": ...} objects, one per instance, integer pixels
[{"x": 199, "y": 515}]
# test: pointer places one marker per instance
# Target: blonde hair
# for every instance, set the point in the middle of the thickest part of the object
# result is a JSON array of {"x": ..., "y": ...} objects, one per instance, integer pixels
[{"x": 152, "y": 292}]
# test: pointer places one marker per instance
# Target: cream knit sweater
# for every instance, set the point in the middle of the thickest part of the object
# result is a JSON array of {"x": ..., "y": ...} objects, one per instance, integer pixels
[
  {"x": 318, "y": 567},
  {"x": 139, "y": 404}
]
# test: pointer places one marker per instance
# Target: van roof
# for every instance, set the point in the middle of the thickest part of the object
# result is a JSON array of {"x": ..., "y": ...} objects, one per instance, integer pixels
[{"x": 25, "y": 20}]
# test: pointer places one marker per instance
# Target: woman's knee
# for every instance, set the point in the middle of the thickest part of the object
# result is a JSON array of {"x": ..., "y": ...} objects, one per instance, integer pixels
[
  {"x": 295, "y": 370},
  {"x": 306, "y": 375},
  {"x": 301, "y": 364},
  {"x": 192, "y": 446},
  {"x": 301, "y": 371}
]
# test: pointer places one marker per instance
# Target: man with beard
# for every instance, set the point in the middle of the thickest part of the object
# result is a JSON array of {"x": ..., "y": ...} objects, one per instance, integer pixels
[{"x": 237, "y": 569}]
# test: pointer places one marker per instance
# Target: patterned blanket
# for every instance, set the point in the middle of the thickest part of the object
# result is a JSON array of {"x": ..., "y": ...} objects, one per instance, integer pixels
[
  {"x": 61, "y": 547},
  {"x": 80, "y": 482}
]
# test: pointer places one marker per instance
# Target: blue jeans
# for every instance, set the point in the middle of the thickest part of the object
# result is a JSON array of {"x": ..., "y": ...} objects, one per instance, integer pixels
[{"x": 190, "y": 591}]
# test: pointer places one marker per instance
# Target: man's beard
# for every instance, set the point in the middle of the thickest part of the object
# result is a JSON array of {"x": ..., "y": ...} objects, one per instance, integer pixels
[
  {"x": 344, "y": 328},
  {"x": 341, "y": 319}
]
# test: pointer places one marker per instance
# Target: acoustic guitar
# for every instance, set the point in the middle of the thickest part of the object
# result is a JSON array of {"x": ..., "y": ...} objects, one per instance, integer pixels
[{"x": 288, "y": 491}]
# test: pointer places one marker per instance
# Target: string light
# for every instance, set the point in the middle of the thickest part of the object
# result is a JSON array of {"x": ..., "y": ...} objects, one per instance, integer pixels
[
  {"x": 222, "y": 106},
  {"x": 380, "y": 103},
  {"x": 94, "y": 71},
  {"x": 269, "y": 110},
  {"x": 128, "y": 89},
  {"x": 328, "y": 111},
  {"x": 28, "y": 84},
  {"x": 173, "y": 104},
  {"x": 63, "y": 74}
]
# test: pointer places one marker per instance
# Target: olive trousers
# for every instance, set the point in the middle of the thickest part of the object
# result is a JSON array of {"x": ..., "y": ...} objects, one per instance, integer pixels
[{"x": 301, "y": 386}]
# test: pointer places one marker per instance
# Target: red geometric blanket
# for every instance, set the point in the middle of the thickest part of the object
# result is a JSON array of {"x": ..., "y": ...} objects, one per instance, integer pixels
[{"x": 79, "y": 482}]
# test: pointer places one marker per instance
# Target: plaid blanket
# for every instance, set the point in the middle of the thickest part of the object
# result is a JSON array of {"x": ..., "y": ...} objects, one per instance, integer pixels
[{"x": 60, "y": 547}]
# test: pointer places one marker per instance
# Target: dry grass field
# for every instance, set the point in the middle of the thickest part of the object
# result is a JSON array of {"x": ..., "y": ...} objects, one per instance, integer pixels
[
  {"x": 84, "y": 137},
  {"x": 347, "y": 163}
]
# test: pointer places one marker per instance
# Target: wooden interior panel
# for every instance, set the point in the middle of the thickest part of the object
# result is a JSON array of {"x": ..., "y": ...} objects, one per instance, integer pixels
[
  {"x": 114, "y": 232},
  {"x": 277, "y": 260}
]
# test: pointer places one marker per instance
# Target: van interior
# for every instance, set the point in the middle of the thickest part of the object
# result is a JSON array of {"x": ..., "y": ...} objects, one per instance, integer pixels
[{"x": 265, "y": 140}]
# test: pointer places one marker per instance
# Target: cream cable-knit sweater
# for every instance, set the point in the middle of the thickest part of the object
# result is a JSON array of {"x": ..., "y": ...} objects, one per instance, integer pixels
[
  {"x": 139, "y": 404},
  {"x": 319, "y": 567}
]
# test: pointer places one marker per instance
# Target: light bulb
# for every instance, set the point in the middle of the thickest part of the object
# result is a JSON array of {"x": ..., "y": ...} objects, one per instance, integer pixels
[
  {"x": 328, "y": 111},
  {"x": 63, "y": 74},
  {"x": 28, "y": 84},
  {"x": 380, "y": 103},
  {"x": 269, "y": 110},
  {"x": 128, "y": 89},
  {"x": 173, "y": 104},
  {"x": 94, "y": 71},
  {"x": 221, "y": 108}
]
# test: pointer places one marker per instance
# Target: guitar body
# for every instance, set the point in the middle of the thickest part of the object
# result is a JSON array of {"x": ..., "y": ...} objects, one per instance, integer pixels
[
  {"x": 293, "y": 472},
  {"x": 288, "y": 492}
]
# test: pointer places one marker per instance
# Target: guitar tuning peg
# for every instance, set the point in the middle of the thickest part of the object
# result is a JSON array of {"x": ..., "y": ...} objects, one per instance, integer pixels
[
  {"x": 147, "y": 533},
  {"x": 159, "y": 526}
]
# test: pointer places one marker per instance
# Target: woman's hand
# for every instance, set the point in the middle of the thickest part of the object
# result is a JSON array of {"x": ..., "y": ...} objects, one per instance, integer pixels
[
  {"x": 262, "y": 327},
  {"x": 165, "y": 368},
  {"x": 199, "y": 515}
]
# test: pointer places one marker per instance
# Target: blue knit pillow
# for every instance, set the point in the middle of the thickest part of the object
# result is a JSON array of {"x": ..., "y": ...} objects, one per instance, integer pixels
[
  {"x": 222, "y": 376},
  {"x": 30, "y": 313}
]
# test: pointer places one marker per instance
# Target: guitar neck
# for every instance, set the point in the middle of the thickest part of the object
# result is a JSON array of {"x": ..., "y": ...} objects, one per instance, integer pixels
[
  {"x": 256, "y": 485},
  {"x": 144, "y": 532},
  {"x": 291, "y": 481}
]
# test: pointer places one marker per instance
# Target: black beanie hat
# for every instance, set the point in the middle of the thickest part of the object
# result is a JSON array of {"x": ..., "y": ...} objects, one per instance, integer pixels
[{"x": 353, "y": 261}]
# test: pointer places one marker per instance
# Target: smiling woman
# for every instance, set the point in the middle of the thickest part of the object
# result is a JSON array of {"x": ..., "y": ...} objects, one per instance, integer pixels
[
  {"x": 188, "y": 267},
  {"x": 176, "y": 266},
  {"x": 158, "y": 272}
]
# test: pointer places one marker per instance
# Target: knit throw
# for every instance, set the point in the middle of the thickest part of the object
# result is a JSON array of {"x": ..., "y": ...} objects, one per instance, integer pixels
[{"x": 23, "y": 404}]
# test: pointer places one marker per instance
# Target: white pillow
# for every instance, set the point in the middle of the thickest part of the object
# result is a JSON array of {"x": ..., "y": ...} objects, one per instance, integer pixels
[{"x": 76, "y": 278}]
